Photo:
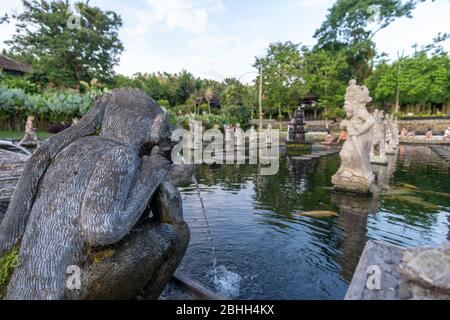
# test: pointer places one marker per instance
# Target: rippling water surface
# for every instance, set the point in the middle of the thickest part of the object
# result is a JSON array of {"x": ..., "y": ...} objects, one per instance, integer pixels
[{"x": 266, "y": 248}]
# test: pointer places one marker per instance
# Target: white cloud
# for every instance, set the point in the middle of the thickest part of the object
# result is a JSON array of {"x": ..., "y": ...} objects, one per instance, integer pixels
[
  {"x": 189, "y": 15},
  {"x": 314, "y": 3}
]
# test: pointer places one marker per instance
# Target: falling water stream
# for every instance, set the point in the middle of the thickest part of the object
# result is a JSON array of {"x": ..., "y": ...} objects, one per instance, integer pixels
[
  {"x": 213, "y": 248},
  {"x": 226, "y": 282}
]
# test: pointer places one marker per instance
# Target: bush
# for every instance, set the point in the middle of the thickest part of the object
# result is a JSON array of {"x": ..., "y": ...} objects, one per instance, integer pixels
[
  {"x": 54, "y": 107},
  {"x": 209, "y": 120},
  {"x": 238, "y": 114}
]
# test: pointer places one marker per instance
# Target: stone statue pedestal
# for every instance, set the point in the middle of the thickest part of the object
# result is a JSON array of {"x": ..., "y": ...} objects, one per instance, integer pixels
[
  {"x": 379, "y": 160},
  {"x": 347, "y": 181}
]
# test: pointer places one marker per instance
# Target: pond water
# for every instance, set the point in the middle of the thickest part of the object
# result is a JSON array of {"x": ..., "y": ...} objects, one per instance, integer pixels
[{"x": 267, "y": 249}]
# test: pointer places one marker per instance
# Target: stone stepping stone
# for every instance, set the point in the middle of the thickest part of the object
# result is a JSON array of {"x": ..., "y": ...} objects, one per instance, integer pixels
[{"x": 301, "y": 158}]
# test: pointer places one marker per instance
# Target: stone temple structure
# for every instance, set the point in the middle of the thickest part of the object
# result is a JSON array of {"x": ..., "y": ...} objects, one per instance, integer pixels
[
  {"x": 355, "y": 173},
  {"x": 297, "y": 131},
  {"x": 96, "y": 213}
]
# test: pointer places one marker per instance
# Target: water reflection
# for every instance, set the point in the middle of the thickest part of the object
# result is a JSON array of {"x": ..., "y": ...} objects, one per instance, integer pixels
[
  {"x": 262, "y": 235},
  {"x": 353, "y": 212},
  {"x": 385, "y": 173}
]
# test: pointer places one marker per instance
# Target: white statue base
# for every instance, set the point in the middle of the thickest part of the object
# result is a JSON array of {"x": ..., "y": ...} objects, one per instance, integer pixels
[
  {"x": 348, "y": 181},
  {"x": 379, "y": 160}
]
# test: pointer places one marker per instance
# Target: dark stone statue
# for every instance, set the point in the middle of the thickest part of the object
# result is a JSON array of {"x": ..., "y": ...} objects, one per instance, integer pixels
[
  {"x": 100, "y": 196},
  {"x": 297, "y": 130}
]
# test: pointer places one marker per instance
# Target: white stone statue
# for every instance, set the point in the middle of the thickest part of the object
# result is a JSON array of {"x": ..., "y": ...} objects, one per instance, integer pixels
[
  {"x": 269, "y": 134},
  {"x": 190, "y": 141},
  {"x": 30, "y": 136},
  {"x": 229, "y": 133},
  {"x": 198, "y": 135},
  {"x": 253, "y": 139},
  {"x": 239, "y": 136},
  {"x": 391, "y": 135},
  {"x": 395, "y": 132},
  {"x": 355, "y": 173},
  {"x": 378, "y": 150}
]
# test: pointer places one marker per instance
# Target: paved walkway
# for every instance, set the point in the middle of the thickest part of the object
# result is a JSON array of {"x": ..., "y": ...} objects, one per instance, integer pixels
[{"x": 443, "y": 152}]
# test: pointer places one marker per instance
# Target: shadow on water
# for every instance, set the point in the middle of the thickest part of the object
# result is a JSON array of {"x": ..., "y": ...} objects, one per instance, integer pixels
[{"x": 271, "y": 249}]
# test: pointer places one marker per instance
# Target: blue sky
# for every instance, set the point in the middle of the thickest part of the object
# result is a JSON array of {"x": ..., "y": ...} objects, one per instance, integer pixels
[{"x": 220, "y": 38}]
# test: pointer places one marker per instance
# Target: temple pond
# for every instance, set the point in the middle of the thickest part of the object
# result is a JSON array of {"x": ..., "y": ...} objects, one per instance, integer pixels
[{"x": 268, "y": 243}]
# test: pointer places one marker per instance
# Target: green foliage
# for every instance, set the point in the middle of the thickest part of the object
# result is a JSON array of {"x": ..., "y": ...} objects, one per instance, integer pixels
[
  {"x": 335, "y": 113},
  {"x": 18, "y": 83},
  {"x": 64, "y": 55},
  {"x": 172, "y": 89},
  {"x": 326, "y": 76},
  {"x": 7, "y": 264},
  {"x": 282, "y": 78},
  {"x": 351, "y": 25},
  {"x": 52, "y": 107},
  {"x": 423, "y": 80},
  {"x": 209, "y": 120},
  {"x": 238, "y": 114}
]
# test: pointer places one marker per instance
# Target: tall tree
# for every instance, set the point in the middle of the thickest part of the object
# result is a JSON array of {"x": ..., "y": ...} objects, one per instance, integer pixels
[
  {"x": 424, "y": 80},
  {"x": 351, "y": 25},
  {"x": 66, "y": 47},
  {"x": 326, "y": 76},
  {"x": 283, "y": 83}
]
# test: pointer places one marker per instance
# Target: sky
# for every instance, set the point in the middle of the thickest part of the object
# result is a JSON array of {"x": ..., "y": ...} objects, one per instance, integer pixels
[{"x": 218, "y": 39}]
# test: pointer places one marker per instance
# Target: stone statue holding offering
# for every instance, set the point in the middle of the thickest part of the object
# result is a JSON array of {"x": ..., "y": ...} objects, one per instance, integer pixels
[
  {"x": 355, "y": 173},
  {"x": 99, "y": 201},
  {"x": 378, "y": 150}
]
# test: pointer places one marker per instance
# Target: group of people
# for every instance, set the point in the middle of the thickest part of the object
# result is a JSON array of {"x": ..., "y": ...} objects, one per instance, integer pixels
[
  {"x": 329, "y": 139},
  {"x": 404, "y": 133},
  {"x": 410, "y": 133}
]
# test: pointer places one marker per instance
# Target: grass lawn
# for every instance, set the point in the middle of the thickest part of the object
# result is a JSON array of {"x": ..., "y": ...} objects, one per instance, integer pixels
[{"x": 17, "y": 135}]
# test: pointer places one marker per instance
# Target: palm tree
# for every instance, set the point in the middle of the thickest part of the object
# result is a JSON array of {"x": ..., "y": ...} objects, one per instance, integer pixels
[{"x": 208, "y": 97}]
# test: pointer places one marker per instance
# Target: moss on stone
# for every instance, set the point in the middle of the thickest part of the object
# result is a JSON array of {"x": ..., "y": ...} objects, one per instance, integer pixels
[
  {"x": 99, "y": 256},
  {"x": 7, "y": 264}
]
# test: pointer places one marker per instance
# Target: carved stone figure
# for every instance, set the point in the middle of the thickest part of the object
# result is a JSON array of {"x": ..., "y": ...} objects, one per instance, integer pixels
[
  {"x": 395, "y": 132},
  {"x": 297, "y": 132},
  {"x": 355, "y": 172},
  {"x": 30, "y": 137},
  {"x": 390, "y": 143},
  {"x": 269, "y": 134},
  {"x": 198, "y": 135},
  {"x": 239, "y": 136},
  {"x": 229, "y": 134},
  {"x": 378, "y": 150},
  {"x": 100, "y": 196},
  {"x": 426, "y": 275},
  {"x": 190, "y": 141},
  {"x": 253, "y": 139}
]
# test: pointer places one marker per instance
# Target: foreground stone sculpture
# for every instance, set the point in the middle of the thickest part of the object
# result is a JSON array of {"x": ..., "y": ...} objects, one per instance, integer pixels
[
  {"x": 378, "y": 150},
  {"x": 355, "y": 173},
  {"x": 426, "y": 273},
  {"x": 106, "y": 205},
  {"x": 403, "y": 274}
]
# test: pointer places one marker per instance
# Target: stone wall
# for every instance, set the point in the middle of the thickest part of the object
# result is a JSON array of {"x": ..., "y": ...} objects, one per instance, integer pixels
[{"x": 420, "y": 126}]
